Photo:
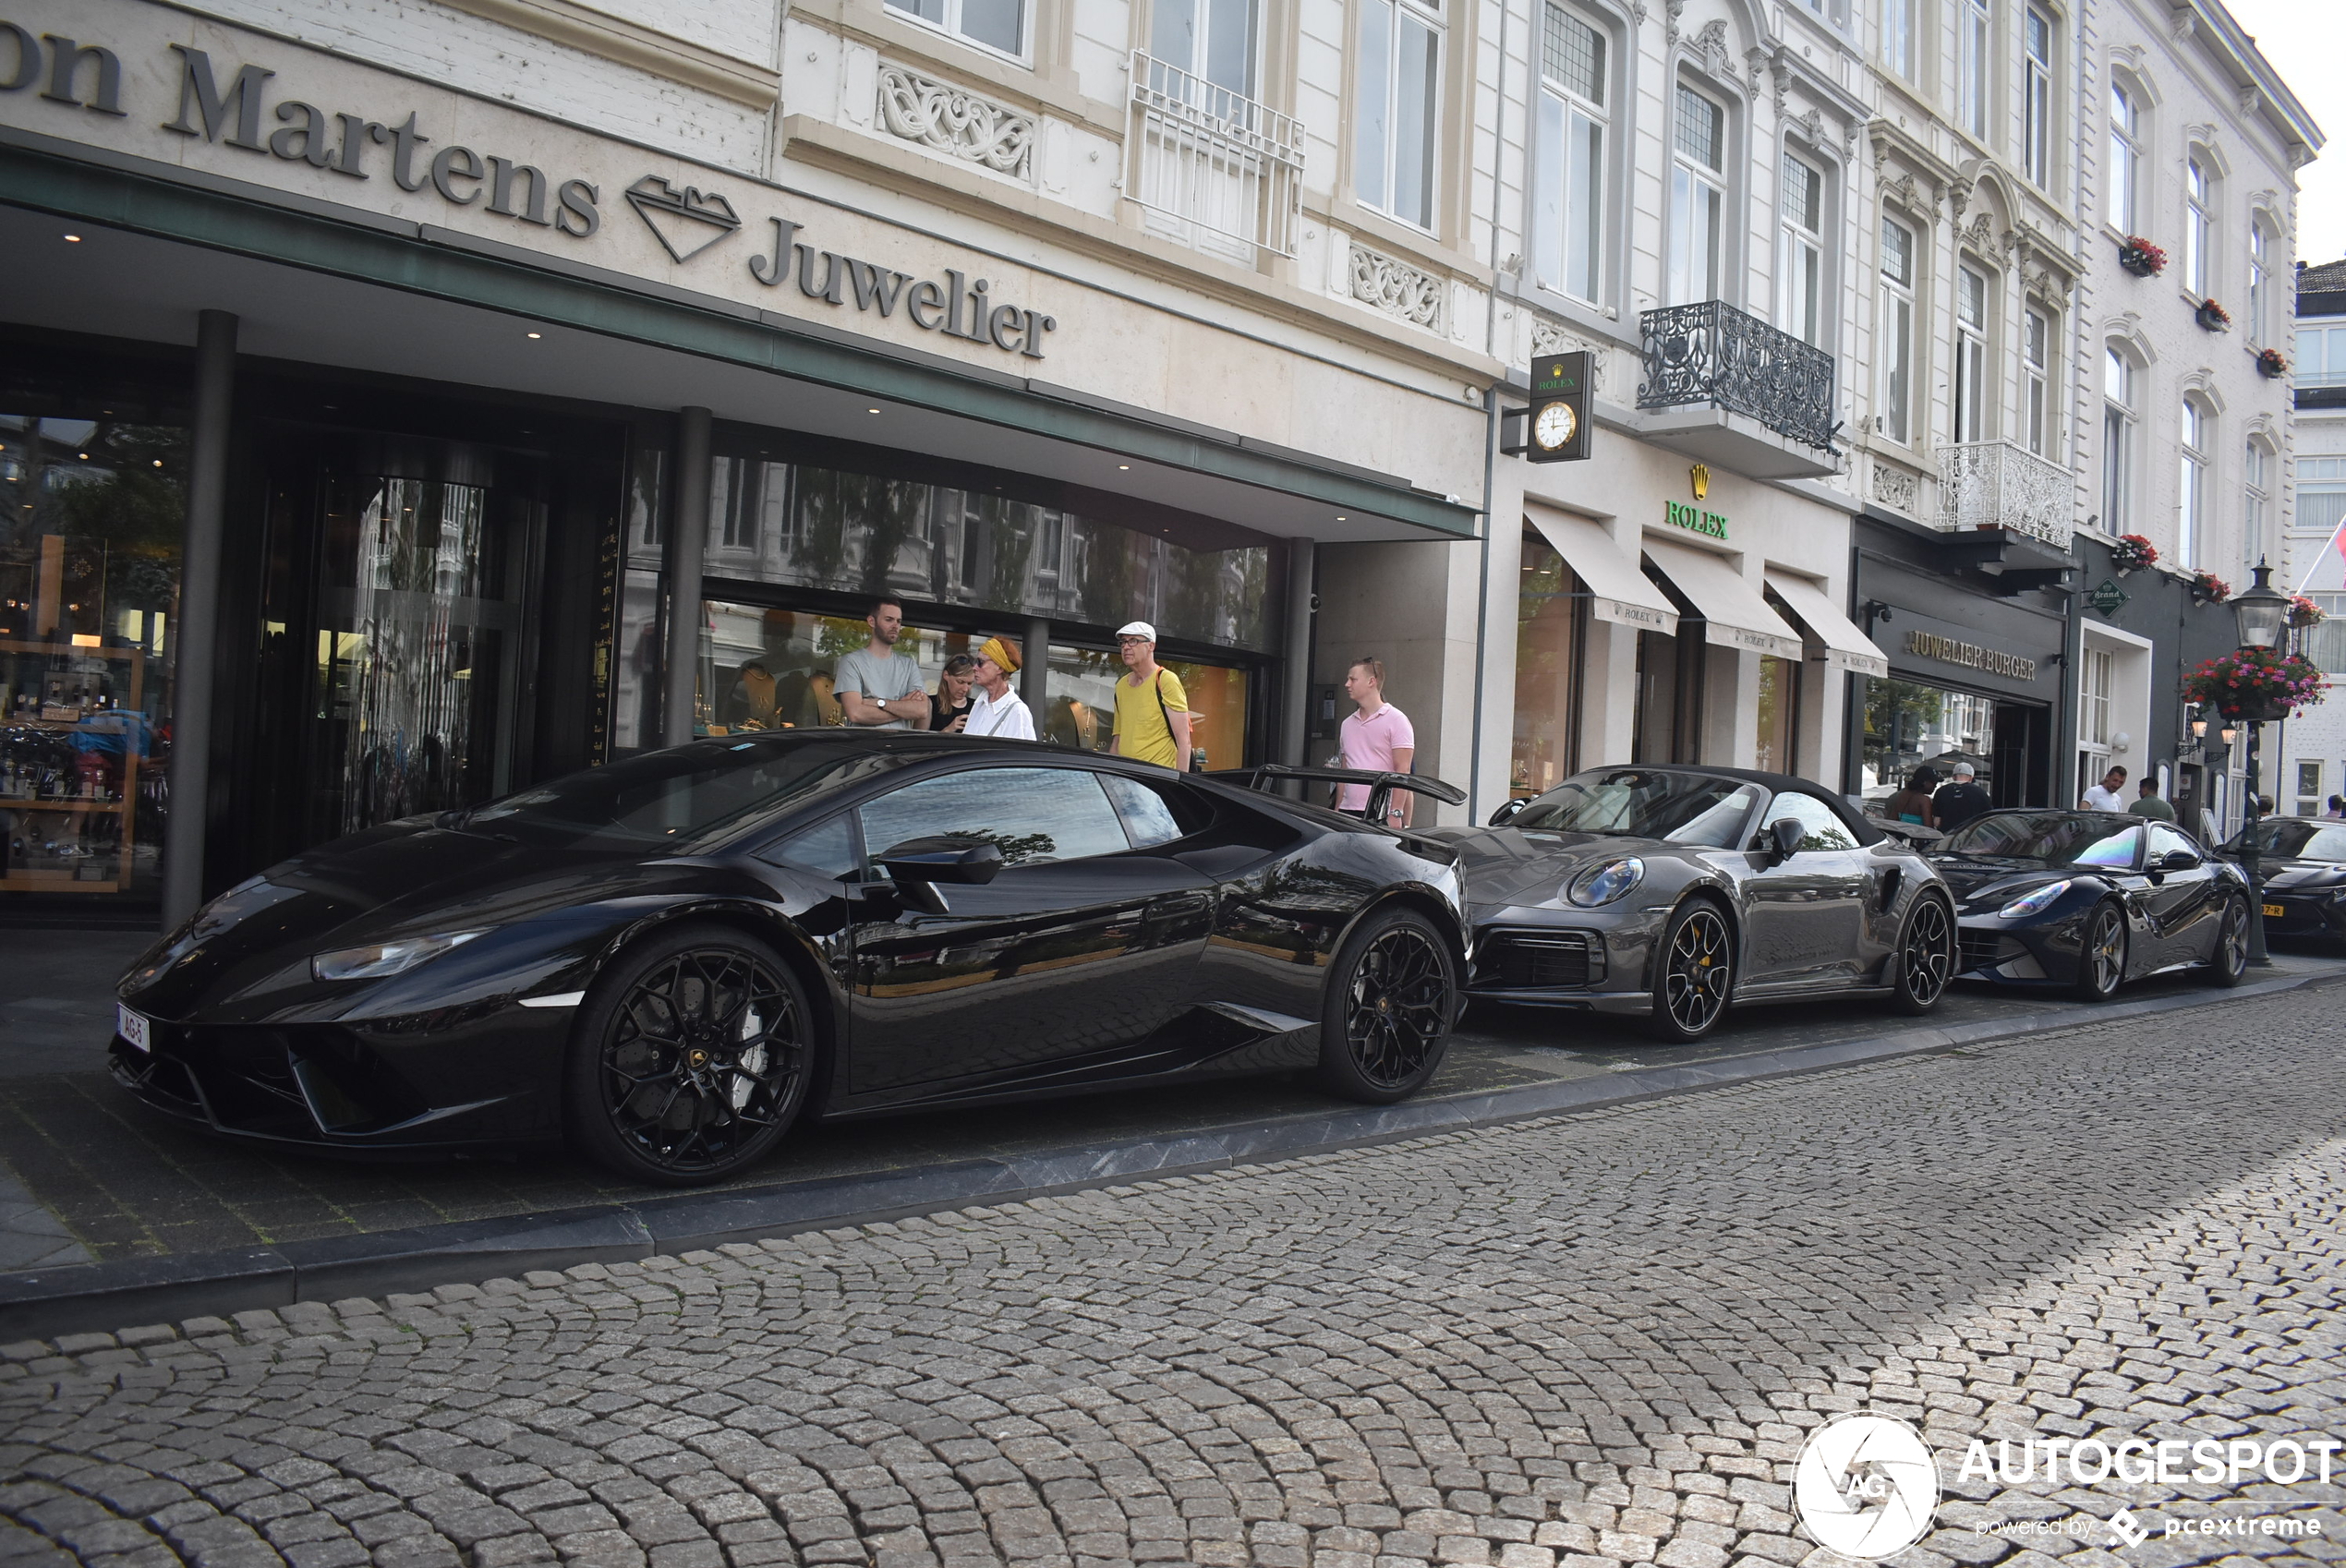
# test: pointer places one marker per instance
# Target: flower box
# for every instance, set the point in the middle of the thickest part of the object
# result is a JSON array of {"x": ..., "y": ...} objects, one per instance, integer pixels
[
  {"x": 2208, "y": 588},
  {"x": 2132, "y": 553},
  {"x": 2272, "y": 363},
  {"x": 2141, "y": 258},
  {"x": 2213, "y": 316},
  {"x": 2255, "y": 685}
]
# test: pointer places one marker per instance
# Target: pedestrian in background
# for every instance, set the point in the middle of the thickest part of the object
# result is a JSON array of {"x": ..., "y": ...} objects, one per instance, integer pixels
[
  {"x": 878, "y": 687},
  {"x": 1913, "y": 803},
  {"x": 1377, "y": 739},
  {"x": 998, "y": 711},
  {"x": 948, "y": 709},
  {"x": 1151, "y": 710},
  {"x": 2336, "y": 807},
  {"x": 2104, "y": 795},
  {"x": 1959, "y": 799},
  {"x": 2148, "y": 803}
]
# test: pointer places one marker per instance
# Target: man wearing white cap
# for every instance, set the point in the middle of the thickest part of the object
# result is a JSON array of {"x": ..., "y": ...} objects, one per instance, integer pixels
[
  {"x": 998, "y": 711},
  {"x": 1152, "y": 711}
]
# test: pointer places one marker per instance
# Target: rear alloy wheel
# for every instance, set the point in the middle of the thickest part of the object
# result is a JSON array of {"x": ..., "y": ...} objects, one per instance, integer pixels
[
  {"x": 1698, "y": 975},
  {"x": 2101, "y": 962},
  {"x": 2229, "y": 962},
  {"x": 1391, "y": 998},
  {"x": 690, "y": 1059},
  {"x": 1926, "y": 957}
]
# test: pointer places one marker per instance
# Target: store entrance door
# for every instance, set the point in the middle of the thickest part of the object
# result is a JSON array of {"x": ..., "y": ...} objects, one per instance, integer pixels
[{"x": 395, "y": 643}]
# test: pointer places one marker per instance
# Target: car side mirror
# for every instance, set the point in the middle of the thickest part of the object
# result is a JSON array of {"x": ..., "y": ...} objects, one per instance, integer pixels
[
  {"x": 955, "y": 861},
  {"x": 1506, "y": 812},
  {"x": 1786, "y": 833},
  {"x": 2179, "y": 860}
]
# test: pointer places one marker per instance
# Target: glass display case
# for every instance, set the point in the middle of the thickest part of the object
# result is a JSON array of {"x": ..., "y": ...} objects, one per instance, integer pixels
[{"x": 78, "y": 768}]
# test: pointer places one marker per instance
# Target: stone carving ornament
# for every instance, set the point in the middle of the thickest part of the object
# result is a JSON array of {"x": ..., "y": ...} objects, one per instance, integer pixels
[
  {"x": 1894, "y": 487},
  {"x": 1398, "y": 289},
  {"x": 955, "y": 121}
]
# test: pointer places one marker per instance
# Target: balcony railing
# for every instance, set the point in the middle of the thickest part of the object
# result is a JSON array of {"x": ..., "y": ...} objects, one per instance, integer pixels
[
  {"x": 1997, "y": 485},
  {"x": 1216, "y": 163},
  {"x": 1713, "y": 353}
]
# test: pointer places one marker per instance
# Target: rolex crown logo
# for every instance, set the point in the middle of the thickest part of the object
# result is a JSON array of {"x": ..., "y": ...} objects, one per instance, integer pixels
[{"x": 1700, "y": 475}]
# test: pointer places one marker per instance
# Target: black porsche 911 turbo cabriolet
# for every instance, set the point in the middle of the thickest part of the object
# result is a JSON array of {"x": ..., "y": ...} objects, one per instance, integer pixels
[
  {"x": 1669, "y": 893},
  {"x": 672, "y": 958},
  {"x": 2088, "y": 900}
]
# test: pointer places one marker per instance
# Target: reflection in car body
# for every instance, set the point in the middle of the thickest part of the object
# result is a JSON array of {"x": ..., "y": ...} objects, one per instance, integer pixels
[
  {"x": 2090, "y": 900},
  {"x": 669, "y": 960},
  {"x": 1671, "y": 892}
]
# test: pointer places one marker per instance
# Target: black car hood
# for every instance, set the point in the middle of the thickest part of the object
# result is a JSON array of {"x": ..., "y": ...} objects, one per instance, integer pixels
[
  {"x": 1506, "y": 865},
  {"x": 1972, "y": 876},
  {"x": 405, "y": 877},
  {"x": 2301, "y": 875}
]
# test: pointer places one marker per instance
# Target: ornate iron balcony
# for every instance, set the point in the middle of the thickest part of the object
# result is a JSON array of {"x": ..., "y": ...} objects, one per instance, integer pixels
[
  {"x": 1713, "y": 353},
  {"x": 1997, "y": 485}
]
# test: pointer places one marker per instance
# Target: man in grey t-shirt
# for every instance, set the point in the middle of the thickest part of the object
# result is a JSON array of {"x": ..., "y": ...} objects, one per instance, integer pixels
[{"x": 878, "y": 687}]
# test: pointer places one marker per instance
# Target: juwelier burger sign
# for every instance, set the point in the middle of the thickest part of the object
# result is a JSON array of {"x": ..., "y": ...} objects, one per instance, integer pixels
[{"x": 239, "y": 116}]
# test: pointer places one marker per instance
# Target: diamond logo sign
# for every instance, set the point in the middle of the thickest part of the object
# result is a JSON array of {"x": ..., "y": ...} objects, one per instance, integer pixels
[
  {"x": 2127, "y": 1528},
  {"x": 687, "y": 221}
]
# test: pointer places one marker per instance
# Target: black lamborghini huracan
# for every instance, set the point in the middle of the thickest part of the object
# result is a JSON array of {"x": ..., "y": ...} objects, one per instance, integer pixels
[{"x": 671, "y": 959}]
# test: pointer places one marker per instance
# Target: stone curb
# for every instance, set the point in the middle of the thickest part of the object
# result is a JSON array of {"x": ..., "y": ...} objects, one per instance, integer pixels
[{"x": 96, "y": 1297}]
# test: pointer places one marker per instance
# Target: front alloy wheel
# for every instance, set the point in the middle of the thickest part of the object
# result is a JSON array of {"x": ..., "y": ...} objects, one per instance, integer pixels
[
  {"x": 690, "y": 1060},
  {"x": 1392, "y": 995},
  {"x": 1926, "y": 957},
  {"x": 2229, "y": 962},
  {"x": 2102, "y": 962},
  {"x": 1697, "y": 974}
]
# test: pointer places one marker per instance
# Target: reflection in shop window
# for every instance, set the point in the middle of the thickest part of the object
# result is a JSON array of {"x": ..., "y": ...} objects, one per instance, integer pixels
[
  {"x": 1909, "y": 724},
  {"x": 1082, "y": 711},
  {"x": 1547, "y": 643},
  {"x": 89, "y": 554},
  {"x": 1779, "y": 715}
]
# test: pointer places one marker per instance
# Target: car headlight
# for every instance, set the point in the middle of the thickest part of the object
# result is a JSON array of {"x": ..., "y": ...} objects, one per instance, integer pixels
[
  {"x": 2032, "y": 903},
  {"x": 1604, "y": 883},
  {"x": 386, "y": 958}
]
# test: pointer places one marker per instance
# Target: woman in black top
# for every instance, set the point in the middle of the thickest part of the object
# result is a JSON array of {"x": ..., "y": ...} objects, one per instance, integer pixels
[{"x": 949, "y": 706}]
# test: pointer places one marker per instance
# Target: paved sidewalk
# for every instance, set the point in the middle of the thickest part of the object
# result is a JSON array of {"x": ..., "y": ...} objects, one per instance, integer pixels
[{"x": 1591, "y": 1342}]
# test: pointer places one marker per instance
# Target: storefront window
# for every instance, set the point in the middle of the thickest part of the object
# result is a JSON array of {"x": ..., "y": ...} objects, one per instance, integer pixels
[
  {"x": 1779, "y": 715},
  {"x": 1909, "y": 724},
  {"x": 1081, "y": 707},
  {"x": 90, "y": 555},
  {"x": 1546, "y": 659}
]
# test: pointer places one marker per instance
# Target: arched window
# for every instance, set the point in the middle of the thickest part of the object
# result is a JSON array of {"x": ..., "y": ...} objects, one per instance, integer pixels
[
  {"x": 2117, "y": 441},
  {"x": 2191, "y": 498},
  {"x": 2199, "y": 225},
  {"x": 1894, "y": 332},
  {"x": 1698, "y": 196},
  {"x": 1572, "y": 130},
  {"x": 1975, "y": 376},
  {"x": 2040, "y": 353},
  {"x": 2125, "y": 153}
]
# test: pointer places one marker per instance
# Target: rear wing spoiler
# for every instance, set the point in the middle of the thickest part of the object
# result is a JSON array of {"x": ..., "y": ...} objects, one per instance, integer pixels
[{"x": 1263, "y": 776}]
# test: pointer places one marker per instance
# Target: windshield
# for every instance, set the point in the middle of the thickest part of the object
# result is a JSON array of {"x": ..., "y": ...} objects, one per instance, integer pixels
[
  {"x": 2299, "y": 839},
  {"x": 1683, "y": 808},
  {"x": 676, "y": 799},
  {"x": 2055, "y": 838}
]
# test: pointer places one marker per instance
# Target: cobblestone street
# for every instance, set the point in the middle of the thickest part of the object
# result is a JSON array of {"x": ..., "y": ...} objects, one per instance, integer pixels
[{"x": 1588, "y": 1342}]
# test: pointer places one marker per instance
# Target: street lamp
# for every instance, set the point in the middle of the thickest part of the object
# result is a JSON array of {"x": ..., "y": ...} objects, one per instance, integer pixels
[{"x": 2261, "y": 615}]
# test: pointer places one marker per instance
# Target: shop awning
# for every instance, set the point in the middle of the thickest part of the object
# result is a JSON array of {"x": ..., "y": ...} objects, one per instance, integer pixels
[
  {"x": 1834, "y": 637},
  {"x": 1619, "y": 591},
  {"x": 1737, "y": 616}
]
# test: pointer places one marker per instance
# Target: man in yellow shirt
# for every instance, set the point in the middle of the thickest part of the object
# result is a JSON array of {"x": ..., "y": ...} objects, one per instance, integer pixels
[{"x": 1152, "y": 711}]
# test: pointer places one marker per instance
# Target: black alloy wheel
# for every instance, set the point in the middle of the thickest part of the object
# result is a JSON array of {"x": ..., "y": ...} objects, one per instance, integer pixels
[
  {"x": 2228, "y": 963},
  {"x": 1697, "y": 974},
  {"x": 1392, "y": 996},
  {"x": 690, "y": 1059},
  {"x": 1926, "y": 957},
  {"x": 2101, "y": 958}
]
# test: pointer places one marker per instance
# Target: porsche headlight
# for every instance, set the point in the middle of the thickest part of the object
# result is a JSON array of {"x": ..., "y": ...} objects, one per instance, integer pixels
[
  {"x": 2034, "y": 902},
  {"x": 386, "y": 958},
  {"x": 1604, "y": 882}
]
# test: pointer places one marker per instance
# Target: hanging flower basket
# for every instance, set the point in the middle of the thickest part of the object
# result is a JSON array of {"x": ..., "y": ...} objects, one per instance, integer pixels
[
  {"x": 2305, "y": 613},
  {"x": 2208, "y": 588},
  {"x": 2272, "y": 362},
  {"x": 2213, "y": 316},
  {"x": 2132, "y": 553},
  {"x": 2256, "y": 685},
  {"x": 2141, "y": 258}
]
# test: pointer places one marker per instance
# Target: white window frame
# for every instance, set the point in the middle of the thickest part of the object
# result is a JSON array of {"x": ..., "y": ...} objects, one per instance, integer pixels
[
  {"x": 1803, "y": 292},
  {"x": 1975, "y": 376},
  {"x": 2321, "y": 356},
  {"x": 2120, "y": 395},
  {"x": 2125, "y": 155},
  {"x": 1901, "y": 35},
  {"x": 2096, "y": 683},
  {"x": 1974, "y": 65},
  {"x": 2040, "y": 353},
  {"x": 2040, "y": 41},
  {"x": 2260, "y": 283},
  {"x": 1572, "y": 163},
  {"x": 949, "y": 20},
  {"x": 1700, "y": 216},
  {"x": 2257, "y": 493},
  {"x": 2199, "y": 225},
  {"x": 1894, "y": 336},
  {"x": 2191, "y": 495},
  {"x": 1377, "y": 138},
  {"x": 1210, "y": 22}
]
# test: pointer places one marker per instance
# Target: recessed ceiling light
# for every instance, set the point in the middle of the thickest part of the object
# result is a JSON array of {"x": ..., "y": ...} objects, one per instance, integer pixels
[
  {"x": 1339, "y": 517},
  {"x": 871, "y": 411},
  {"x": 536, "y": 335},
  {"x": 1123, "y": 465},
  {"x": 73, "y": 239}
]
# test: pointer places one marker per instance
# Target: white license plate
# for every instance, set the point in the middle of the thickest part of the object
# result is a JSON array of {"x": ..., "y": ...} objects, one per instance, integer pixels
[{"x": 132, "y": 1028}]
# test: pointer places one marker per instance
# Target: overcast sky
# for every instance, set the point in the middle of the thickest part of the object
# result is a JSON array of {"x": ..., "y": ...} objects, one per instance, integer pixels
[{"x": 2293, "y": 35}]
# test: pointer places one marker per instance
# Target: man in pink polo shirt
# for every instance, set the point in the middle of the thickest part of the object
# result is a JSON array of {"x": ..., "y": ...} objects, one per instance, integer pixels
[{"x": 1377, "y": 738}]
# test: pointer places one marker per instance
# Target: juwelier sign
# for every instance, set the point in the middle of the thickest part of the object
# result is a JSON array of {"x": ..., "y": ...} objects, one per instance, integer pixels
[{"x": 181, "y": 94}]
